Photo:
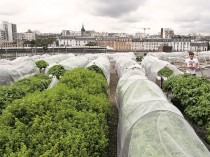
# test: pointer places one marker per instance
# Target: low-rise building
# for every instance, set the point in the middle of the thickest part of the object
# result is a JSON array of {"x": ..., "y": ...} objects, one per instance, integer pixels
[{"x": 199, "y": 46}]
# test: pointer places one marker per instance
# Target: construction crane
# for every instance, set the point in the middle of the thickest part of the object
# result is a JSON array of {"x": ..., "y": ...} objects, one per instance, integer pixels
[{"x": 144, "y": 29}]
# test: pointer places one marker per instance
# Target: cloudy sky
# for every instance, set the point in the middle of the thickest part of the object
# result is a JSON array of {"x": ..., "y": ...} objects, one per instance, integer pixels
[{"x": 129, "y": 16}]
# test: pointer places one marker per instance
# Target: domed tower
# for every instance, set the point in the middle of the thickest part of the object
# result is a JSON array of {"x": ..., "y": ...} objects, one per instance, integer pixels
[{"x": 83, "y": 31}]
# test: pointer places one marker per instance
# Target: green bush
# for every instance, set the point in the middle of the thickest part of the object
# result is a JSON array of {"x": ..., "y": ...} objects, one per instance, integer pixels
[
  {"x": 165, "y": 72},
  {"x": 87, "y": 80},
  {"x": 57, "y": 70},
  {"x": 96, "y": 69},
  {"x": 62, "y": 121},
  {"x": 41, "y": 64},
  {"x": 139, "y": 58},
  {"x": 193, "y": 94},
  {"x": 19, "y": 89}
]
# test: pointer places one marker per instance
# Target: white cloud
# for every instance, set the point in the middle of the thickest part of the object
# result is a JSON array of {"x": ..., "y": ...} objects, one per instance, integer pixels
[{"x": 184, "y": 16}]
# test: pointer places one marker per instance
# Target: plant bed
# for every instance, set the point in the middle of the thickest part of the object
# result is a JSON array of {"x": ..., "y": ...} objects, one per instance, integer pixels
[{"x": 191, "y": 96}]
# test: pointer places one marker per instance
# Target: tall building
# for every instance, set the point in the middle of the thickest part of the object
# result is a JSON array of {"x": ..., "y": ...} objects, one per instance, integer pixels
[
  {"x": 10, "y": 31},
  {"x": 2, "y": 34},
  {"x": 167, "y": 33}
]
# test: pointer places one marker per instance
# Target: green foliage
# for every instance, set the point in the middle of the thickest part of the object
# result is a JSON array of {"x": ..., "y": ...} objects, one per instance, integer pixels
[
  {"x": 22, "y": 87},
  {"x": 57, "y": 70},
  {"x": 193, "y": 93},
  {"x": 165, "y": 72},
  {"x": 41, "y": 64},
  {"x": 96, "y": 69},
  {"x": 88, "y": 80},
  {"x": 42, "y": 42},
  {"x": 10, "y": 93},
  {"x": 38, "y": 82},
  {"x": 139, "y": 58},
  {"x": 91, "y": 44},
  {"x": 62, "y": 121}
]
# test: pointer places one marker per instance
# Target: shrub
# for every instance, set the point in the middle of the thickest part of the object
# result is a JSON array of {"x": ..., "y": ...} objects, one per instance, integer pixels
[
  {"x": 165, "y": 72},
  {"x": 139, "y": 58},
  {"x": 41, "y": 64},
  {"x": 57, "y": 70}
]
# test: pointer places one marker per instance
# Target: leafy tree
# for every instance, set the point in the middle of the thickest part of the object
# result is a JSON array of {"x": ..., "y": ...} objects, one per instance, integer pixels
[
  {"x": 57, "y": 70},
  {"x": 42, "y": 42},
  {"x": 41, "y": 64}
]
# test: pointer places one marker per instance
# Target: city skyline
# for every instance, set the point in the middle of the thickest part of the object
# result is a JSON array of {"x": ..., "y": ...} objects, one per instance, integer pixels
[{"x": 119, "y": 16}]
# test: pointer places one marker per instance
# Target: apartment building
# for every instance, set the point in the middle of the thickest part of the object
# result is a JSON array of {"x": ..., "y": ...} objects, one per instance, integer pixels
[
  {"x": 2, "y": 34},
  {"x": 105, "y": 41},
  {"x": 74, "y": 41},
  {"x": 123, "y": 44},
  {"x": 199, "y": 46},
  {"x": 149, "y": 44},
  {"x": 10, "y": 31},
  {"x": 167, "y": 33},
  {"x": 181, "y": 43},
  {"x": 29, "y": 35}
]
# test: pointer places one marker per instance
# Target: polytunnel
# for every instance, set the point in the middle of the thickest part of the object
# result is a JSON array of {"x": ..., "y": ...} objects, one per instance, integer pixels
[
  {"x": 8, "y": 74},
  {"x": 123, "y": 64},
  {"x": 74, "y": 62},
  {"x": 69, "y": 64},
  {"x": 17, "y": 69},
  {"x": 153, "y": 65},
  {"x": 118, "y": 55},
  {"x": 4, "y": 61},
  {"x": 167, "y": 56},
  {"x": 57, "y": 58},
  {"x": 104, "y": 64},
  {"x": 54, "y": 60},
  {"x": 26, "y": 67},
  {"x": 149, "y": 125}
]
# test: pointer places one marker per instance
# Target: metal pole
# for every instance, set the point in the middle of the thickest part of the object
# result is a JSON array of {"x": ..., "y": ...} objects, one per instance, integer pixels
[{"x": 6, "y": 53}]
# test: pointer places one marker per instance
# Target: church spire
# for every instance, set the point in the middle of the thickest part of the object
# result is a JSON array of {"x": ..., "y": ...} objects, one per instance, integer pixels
[{"x": 82, "y": 31}]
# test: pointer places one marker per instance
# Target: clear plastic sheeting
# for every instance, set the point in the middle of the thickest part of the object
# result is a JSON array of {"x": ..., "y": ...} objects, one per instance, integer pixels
[
  {"x": 204, "y": 59},
  {"x": 27, "y": 68},
  {"x": 53, "y": 82},
  {"x": 92, "y": 56},
  {"x": 153, "y": 65},
  {"x": 104, "y": 64},
  {"x": 170, "y": 56},
  {"x": 57, "y": 58},
  {"x": 112, "y": 56},
  {"x": 74, "y": 62},
  {"x": 163, "y": 134},
  {"x": 17, "y": 69},
  {"x": 149, "y": 125},
  {"x": 9, "y": 74},
  {"x": 19, "y": 60},
  {"x": 124, "y": 64},
  {"x": 54, "y": 60},
  {"x": 4, "y": 61},
  {"x": 118, "y": 55},
  {"x": 38, "y": 57}
]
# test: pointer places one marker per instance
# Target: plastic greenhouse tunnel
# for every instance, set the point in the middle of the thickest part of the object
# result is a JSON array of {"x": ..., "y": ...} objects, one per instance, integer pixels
[
  {"x": 149, "y": 125},
  {"x": 124, "y": 64},
  {"x": 17, "y": 69},
  {"x": 68, "y": 64},
  {"x": 153, "y": 65},
  {"x": 104, "y": 64},
  {"x": 74, "y": 62}
]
